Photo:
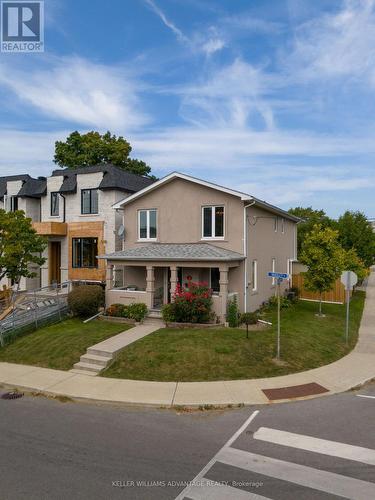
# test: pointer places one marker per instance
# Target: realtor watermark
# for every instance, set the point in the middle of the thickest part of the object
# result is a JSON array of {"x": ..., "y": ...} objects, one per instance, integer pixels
[{"x": 22, "y": 26}]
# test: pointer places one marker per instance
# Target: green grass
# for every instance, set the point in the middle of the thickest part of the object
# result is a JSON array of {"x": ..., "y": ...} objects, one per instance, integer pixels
[
  {"x": 60, "y": 345},
  {"x": 224, "y": 353}
]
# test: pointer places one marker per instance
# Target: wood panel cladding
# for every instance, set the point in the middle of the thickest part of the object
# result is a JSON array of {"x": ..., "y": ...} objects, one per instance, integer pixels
[
  {"x": 86, "y": 230},
  {"x": 50, "y": 228}
]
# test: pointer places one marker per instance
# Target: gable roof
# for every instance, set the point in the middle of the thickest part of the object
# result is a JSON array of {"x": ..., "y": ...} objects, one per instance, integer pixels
[
  {"x": 113, "y": 178},
  {"x": 176, "y": 251},
  {"x": 177, "y": 175}
]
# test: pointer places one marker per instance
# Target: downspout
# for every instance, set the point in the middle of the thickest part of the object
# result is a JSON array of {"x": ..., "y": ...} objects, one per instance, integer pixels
[
  {"x": 245, "y": 250},
  {"x": 64, "y": 211}
]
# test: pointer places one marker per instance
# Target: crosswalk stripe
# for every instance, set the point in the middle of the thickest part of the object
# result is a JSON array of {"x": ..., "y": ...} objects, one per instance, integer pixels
[
  {"x": 205, "y": 490},
  {"x": 317, "y": 445},
  {"x": 320, "y": 480}
]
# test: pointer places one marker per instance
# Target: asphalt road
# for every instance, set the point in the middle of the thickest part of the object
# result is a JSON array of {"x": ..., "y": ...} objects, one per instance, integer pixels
[{"x": 318, "y": 449}]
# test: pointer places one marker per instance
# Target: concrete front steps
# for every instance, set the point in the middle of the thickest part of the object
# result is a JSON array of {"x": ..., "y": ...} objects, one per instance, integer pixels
[{"x": 99, "y": 356}]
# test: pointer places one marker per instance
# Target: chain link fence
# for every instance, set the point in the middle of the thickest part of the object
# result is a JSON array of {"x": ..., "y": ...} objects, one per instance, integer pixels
[{"x": 30, "y": 310}]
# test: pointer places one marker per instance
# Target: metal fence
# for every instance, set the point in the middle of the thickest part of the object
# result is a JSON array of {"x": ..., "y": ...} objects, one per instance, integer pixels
[{"x": 33, "y": 309}]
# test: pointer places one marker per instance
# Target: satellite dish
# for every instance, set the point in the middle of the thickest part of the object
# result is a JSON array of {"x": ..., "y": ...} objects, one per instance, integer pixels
[{"x": 121, "y": 231}]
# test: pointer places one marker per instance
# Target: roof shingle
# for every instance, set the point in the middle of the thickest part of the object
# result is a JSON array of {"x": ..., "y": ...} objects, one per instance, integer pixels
[{"x": 176, "y": 251}]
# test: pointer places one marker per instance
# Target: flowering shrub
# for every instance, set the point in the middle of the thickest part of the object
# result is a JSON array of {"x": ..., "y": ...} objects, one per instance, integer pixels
[
  {"x": 192, "y": 304},
  {"x": 117, "y": 310}
]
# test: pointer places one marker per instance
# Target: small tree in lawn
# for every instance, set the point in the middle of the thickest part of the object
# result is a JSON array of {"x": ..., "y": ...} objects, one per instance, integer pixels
[
  {"x": 20, "y": 246},
  {"x": 325, "y": 259}
]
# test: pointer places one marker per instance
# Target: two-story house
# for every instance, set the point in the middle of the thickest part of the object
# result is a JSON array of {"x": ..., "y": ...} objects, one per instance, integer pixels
[
  {"x": 73, "y": 210},
  {"x": 181, "y": 229}
]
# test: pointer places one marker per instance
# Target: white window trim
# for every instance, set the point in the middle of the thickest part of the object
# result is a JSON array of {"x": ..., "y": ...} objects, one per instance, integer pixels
[
  {"x": 147, "y": 210},
  {"x": 282, "y": 225},
  {"x": 273, "y": 265},
  {"x": 276, "y": 224},
  {"x": 213, "y": 207},
  {"x": 254, "y": 277}
]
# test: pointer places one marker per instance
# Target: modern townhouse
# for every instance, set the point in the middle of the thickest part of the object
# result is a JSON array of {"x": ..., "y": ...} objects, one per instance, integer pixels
[
  {"x": 73, "y": 210},
  {"x": 181, "y": 229}
]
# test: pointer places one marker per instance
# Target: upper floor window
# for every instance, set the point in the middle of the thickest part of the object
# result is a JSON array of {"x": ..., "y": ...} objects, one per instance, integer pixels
[
  {"x": 213, "y": 222},
  {"x": 147, "y": 229},
  {"x": 84, "y": 252},
  {"x": 276, "y": 224},
  {"x": 89, "y": 201},
  {"x": 13, "y": 203},
  {"x": 283, "y": 226},
  {"x": 55, "y": 199}
]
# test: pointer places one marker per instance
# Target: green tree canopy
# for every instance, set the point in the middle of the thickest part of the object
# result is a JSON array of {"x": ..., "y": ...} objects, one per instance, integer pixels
[
  {"x": 84, "y": 150},
  {"x": 20, "y": 246},
  {"x": 324, "y": 257},
  {"x": 309, "y": 217},
  {"x": 355, "y": 232}
]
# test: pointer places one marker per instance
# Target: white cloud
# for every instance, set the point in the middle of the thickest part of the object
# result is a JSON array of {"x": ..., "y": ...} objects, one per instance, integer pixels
[
  {"x": 228, "y": 96},
  {"x": 76, "y": 90},
  {"x": 339, "y": 44},
  {"x": 168, "y": 23}
]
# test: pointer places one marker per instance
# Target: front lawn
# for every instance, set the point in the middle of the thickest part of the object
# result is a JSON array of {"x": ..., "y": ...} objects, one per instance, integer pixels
[
  {"x": 60, "y": 345},
  {"x": 225, "y": 354}
]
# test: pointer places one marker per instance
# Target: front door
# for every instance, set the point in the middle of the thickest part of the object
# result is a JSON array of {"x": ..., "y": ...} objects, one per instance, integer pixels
[{"x": 54, "y": 264}]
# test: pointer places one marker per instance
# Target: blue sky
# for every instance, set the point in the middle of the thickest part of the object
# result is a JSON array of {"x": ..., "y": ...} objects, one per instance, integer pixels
[{"x": 272, "y": 97}]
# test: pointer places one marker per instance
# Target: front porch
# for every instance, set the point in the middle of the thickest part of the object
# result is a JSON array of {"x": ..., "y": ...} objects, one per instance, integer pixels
[{"x": 132, "y": 279}]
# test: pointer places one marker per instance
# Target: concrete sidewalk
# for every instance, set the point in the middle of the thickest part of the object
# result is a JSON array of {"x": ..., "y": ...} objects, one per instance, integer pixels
[{"x": 354, "y": 369}]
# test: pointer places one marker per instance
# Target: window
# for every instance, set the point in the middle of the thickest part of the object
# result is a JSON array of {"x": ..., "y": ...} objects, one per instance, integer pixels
[
  {"x": 213, "y": 222},
  {"x": 283, "y": 226},
  {"x": 273, "y": 270},
  {"x": 276, "y": 224},
  {"x": 254, "y": 275},
  {"x": 89, "y": 201},
  {"x": 13, "y": 203},
  {"x": 215, "y": 279},
  {"x": 147, "y": 224},
  {"x": 85, "y": 251},
  {"x": 55, "y": 198}
]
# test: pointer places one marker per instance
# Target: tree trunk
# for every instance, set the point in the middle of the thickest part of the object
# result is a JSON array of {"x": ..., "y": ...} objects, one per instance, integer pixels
[
  {"x": 247, "y": 331},
  {"x": 320, "y": 304}
]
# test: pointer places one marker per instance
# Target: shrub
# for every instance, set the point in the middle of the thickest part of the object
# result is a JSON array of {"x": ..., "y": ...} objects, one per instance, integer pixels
[
  {"x": 192, "y": 304},
  {"x": 118, "y": 310},
  {"x": 84, "y": 300},
  {"x": 232, "y": 312},
  {"x": 284, "y": 302},
  {"x": 168, "y": 313},
  {"x": 138, "y": 312},
  {"x": 249, "y": 318}
]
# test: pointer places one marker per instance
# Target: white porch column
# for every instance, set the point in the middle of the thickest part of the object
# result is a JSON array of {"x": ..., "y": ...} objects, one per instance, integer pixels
[
  {"x": 223, "y": 291},
  {"x": 109, "y": 276},
  {"x": 150, "y": 286},
  {"x": 174, "y": 280}
]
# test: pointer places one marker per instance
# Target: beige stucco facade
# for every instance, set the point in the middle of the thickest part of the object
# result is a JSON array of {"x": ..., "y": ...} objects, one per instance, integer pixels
[{"x": 257, "y": 233}]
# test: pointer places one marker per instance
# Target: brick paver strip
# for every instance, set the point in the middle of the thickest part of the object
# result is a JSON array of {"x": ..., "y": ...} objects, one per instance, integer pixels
[{"x": 295, "y": 391}]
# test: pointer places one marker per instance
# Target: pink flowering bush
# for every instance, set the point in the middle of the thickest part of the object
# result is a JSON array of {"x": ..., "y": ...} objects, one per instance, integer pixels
[{"x": 190, "y": 305}]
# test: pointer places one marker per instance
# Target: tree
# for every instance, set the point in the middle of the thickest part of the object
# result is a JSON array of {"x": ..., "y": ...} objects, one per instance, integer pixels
[
  {"x": 20, "y": 246},
  {"x": 355, "y": 232},
  {"x": 84, "y": 150},
  {"x": 325, "y": 259},
  {"x": 354, "y": 263},
  {"x": 309, "y": 217}
]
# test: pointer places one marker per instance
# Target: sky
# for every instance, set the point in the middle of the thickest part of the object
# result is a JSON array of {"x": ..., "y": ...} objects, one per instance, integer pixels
[{"x": 275, "y": 98}]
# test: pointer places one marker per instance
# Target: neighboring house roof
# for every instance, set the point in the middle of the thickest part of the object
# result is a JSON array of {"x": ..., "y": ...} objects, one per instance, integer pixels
[
  {"x": 177, "y": 175},
  {"x": 33, "y": 188},
  {"x": 113, "y": 178},
  {"x": 176, "y": 251}
]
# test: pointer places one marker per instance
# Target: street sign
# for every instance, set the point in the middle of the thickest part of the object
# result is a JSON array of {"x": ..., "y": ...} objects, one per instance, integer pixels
[
  {"x": 283, "y": 276},
  {"x": 349, "y": 279}
]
